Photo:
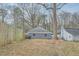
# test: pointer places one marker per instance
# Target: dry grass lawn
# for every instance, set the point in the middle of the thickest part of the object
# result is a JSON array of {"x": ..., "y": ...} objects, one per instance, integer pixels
[{"x": 40, "y": 47}]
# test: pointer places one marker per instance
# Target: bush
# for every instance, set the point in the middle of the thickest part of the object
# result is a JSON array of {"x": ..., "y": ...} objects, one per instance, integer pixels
[{"x": 27, "y": 37}]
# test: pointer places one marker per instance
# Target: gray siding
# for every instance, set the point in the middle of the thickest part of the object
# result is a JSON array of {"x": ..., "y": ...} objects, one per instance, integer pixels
[
  {"x": 75, "y": 38},
  {"x": 40, "y": 35}
]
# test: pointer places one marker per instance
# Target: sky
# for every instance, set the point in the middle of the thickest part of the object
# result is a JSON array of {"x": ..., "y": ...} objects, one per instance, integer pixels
[
  {"x": 72, "y": 7},
  {"x": 69, "y": 7}
]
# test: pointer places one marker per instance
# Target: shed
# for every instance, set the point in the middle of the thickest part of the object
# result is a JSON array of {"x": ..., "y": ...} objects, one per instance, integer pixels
[
  {"x": 39, "y": 33},
  {"x": 70, "y": 34}
]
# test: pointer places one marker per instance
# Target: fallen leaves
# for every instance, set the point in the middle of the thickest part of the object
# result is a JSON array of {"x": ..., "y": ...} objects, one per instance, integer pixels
[{"x": 40, "y": 47}]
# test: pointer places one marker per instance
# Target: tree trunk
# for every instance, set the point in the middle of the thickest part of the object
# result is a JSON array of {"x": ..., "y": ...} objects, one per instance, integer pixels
[
  {"x": 54, "y": 21},
  {"x": 23, "y": 26},
  {"x": 14, "y": 27}
]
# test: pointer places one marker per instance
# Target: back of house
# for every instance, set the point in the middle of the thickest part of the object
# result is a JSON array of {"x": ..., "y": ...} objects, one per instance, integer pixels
[
  {"x": 70, "y": 34},
  {"x": 39, "y": 33}
]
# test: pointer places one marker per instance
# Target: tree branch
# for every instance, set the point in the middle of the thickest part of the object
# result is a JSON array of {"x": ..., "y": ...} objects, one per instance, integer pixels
[
  {"x": 60, "y": 6},
  {"x": 47, "y": 8}
]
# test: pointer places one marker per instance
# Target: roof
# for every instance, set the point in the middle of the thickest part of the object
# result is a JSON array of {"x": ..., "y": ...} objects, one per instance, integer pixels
[
  {"x": 39, "y": 30},
  {"x": 73, "y": 31}
]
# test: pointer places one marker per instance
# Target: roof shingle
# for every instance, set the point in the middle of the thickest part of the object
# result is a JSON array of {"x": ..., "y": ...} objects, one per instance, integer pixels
[{"x": 73, "y": 31}]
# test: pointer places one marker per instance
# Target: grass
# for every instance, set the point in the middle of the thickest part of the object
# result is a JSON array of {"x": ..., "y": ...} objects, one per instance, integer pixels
[{"x": 41, "y": 47}]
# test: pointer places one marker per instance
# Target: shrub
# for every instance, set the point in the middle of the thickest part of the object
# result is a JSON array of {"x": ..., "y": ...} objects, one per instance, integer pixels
[{"x": 27, "y": 37}]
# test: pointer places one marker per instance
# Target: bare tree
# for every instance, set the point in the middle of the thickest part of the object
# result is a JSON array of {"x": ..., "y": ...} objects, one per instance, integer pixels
[
  {"x": 18, "y": 20},
  {"x": 54, "y": 21},
  {"x": 66, "y": 17},
  {"x": 54, "y": 8},
  {"x": 34, "y": 15},
  {"x": 3, "y": 13}
]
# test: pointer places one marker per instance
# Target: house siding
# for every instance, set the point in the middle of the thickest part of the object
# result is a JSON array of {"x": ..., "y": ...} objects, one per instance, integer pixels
[
  {"x": 40, "y": 35},
  {"x": 66, "y": 36},
  {"x": 76, "y": 38}
]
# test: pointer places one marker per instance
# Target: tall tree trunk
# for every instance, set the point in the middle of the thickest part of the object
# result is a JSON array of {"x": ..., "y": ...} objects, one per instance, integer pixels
[
  {"x": 23, "y": 26},
  {"x": 32, "y": 16},
  {"x": 49, "y": 24},
  {"x": 33, "y": 25},
  {"x": 14, "y": 27},
  {"x": 3, "y": 30},
  {"x": 54, "y": 21}
]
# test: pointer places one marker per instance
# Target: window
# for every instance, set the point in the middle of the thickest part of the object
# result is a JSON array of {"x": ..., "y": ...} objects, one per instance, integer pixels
[
  {"x": 45, "y": 34},
  {"x": 33, "y": 34}
]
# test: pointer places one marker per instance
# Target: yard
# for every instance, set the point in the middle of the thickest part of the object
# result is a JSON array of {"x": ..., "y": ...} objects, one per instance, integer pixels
[{"x": 40, "y": 47}]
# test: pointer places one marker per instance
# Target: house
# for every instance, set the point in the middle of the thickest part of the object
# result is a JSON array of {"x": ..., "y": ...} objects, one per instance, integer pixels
[
  {"x": 70, "y": 34},
  {"x": 39, "y": 33}
]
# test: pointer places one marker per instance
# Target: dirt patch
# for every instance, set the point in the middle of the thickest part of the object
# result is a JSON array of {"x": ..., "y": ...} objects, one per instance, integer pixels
[
  {"x": 56, "y": 42},
  {"x": 39, "y": 44}
]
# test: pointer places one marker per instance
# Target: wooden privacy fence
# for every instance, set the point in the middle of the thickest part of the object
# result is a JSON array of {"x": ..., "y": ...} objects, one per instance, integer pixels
[{"x": 8, "y": 35}]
